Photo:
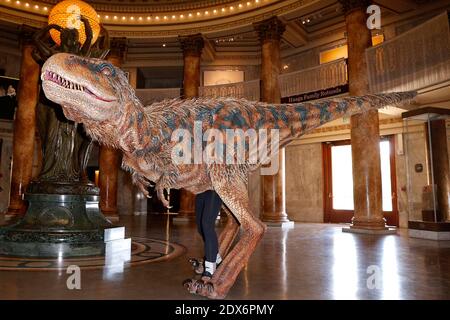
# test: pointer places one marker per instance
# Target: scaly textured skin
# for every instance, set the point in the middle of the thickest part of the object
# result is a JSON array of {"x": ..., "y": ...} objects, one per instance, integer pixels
[{"x": 97, "y": 94}]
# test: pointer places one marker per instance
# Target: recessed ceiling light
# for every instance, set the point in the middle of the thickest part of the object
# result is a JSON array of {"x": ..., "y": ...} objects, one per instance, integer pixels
[
  {"x": 223, "y": 9},
  {"x": 45, "y": 8},
  {"x": 36, "y": 7},
  {"x": 248, "y": 3},
  {"x": 181, "y": 16},
  {"x": 231, "y": 8},
  {"x": 164, "y": 44},
  {"x": 106, "y": 17},
  {"x": 215, "y": 11},
  {"x": 240, "y": 5},
  {"x": 27, "y": 4},
  {"x": 115, "y": 17},
  {"x": 198, "y": 13},
  {"x": 174, "y": 17},
  {"x": 140, "y": 18},
  {"x": 157, "y": 17},
  {"x": 132, "y": 18},
  {"x": 17, "y": 2},
  {"x": 190, "y": 15},
  {"x": 149, "y": 18},
  {"x": 123, "y": 18},
  {"x": 165, "y": 17},
  {"x": 206, "y": 12}
]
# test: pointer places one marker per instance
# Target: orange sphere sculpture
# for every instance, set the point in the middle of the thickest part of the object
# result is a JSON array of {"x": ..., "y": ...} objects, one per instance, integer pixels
[{"x": 67, "y": 14}]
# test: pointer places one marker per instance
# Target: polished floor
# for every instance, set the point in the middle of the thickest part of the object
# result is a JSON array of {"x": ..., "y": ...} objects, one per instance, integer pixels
[{"x": 310, "y": 261}]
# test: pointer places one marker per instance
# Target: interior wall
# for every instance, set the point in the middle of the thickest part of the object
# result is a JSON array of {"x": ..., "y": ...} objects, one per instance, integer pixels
[{"x": 304, "y": 182}]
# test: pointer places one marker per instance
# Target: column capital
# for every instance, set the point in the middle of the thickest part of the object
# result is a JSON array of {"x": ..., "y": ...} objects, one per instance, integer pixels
[
  {"x": 192, "y": 45},
  {"x": 118, "y": 48},
  {"x": 350, "y": 5},
  {"x": 270, "y": 29}
]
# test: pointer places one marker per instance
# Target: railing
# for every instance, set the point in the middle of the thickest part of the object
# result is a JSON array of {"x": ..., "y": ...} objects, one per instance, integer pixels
[
  {"x": 414, "y": 60},
  {"x": 148, "y": 96},
  {"x": 325, "y": 76},
  {"x": 248, "y": 90}
]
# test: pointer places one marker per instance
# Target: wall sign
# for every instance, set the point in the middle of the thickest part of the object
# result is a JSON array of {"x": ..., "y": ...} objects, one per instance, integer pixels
[{"x": 316, "y": 94}]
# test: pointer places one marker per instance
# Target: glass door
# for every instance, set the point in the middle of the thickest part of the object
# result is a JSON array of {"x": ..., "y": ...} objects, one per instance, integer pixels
[{"x": 338, "y": 191}]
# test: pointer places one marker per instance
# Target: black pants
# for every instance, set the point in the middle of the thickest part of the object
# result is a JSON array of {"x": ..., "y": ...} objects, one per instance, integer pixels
[{"x": 207, "y": 207}]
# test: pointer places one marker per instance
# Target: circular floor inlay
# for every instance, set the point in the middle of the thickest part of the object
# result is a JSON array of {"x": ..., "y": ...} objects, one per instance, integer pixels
[{"x": 143, "y": 250}]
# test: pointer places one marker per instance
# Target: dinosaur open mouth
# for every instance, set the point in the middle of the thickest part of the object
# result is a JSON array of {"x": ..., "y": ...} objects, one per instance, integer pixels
[{"x": 56, "y": 78}]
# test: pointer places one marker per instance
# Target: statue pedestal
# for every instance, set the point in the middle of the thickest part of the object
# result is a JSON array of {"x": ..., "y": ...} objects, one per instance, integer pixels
[{"x": 57, "y": 225}]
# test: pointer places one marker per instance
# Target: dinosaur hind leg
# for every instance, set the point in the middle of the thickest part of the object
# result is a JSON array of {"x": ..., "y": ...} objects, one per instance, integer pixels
[
  {"x": 228, "y": 234},
  {"x": 236, "y": 199}
]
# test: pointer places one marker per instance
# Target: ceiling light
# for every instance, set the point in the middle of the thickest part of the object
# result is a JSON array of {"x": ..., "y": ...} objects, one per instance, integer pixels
[
  {"x": 140, "y": 18},
  {"x": 123, "y": 18},
  {"x": 206, "y": 12},
  {"x": 240, "y": 5},
  {"x": 256, "y": 1},
  {"x": 174, "y": 17},
  {"x": 157, "y": 17},
  {"x": 115, "y": 17},
  {"x": 215, "y": 11},
  {"x": 164, "y": 44},
  {"x": 106, "y": 17},
  {"x": 17, "y": 2},
  {"x": 198, "y": 13},
  {"x": 45, "y": 8},
  {"x": 36, "y": 7},
  {"x": 181, "y": 16},
  {"x": 149, "y": 18},
  {"x": 231, "y": 8},
  {"x": 223, "y": 9},
  {"x": 27, "y": 4},
  {"x": 132, "y": 18},
  {"x": 165, "y": 17},
  {"x": 190, "y": 15},
  {"x": 248, "y": 3}
]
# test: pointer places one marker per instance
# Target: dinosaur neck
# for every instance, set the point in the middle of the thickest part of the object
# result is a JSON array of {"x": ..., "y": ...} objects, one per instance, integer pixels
[{"x": 128, "y": 130}]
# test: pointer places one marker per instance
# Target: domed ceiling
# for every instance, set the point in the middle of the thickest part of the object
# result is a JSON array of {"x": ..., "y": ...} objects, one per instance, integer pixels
[{"x": 155, "y": 18}]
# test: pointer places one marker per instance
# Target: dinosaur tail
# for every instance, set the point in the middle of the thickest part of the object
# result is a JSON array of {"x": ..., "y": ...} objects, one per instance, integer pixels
[{"x": 294, "y": 120}]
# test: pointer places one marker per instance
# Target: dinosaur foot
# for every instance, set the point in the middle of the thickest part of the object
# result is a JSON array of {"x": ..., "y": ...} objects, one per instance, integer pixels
[
  {"x": 202, "y": 288},
  {"x": 197, "y": 265}
]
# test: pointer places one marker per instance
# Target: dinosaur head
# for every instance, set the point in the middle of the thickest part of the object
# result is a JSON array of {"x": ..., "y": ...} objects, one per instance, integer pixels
[{"x": 89, "y": 90}]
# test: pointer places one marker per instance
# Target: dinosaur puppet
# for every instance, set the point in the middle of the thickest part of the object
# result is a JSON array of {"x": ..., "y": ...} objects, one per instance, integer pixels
[{"x": 97, "y": 94}]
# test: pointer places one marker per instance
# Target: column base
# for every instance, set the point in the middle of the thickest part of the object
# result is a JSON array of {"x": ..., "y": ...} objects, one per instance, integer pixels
[
  {"x": 375, "y": 231},
  {"x": 283, "y": 225},
  {"x": 180, "y": 217}
]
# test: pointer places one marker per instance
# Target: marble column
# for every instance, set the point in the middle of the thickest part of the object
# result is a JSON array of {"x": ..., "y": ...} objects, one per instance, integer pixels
[
  {"x": 109, "y": 158},
  {"x": 365, "y": 132},
  {"x": 192, "y": 47},
  {"x": 273, "y": 211},
  {"x": 24, "y": 125},
  {"x": 438, "y": 151}
]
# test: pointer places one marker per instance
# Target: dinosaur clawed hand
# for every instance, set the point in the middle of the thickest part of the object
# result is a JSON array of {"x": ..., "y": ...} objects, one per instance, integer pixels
[{"x": 201, "y": 288}]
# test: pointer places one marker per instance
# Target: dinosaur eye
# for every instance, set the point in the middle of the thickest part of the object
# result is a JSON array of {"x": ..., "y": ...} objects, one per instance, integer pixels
[{"x": 106, "y": 70}]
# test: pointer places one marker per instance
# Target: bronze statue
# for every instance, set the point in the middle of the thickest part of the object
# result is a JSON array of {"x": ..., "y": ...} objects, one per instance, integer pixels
[{"x": 65, "y": 146}]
